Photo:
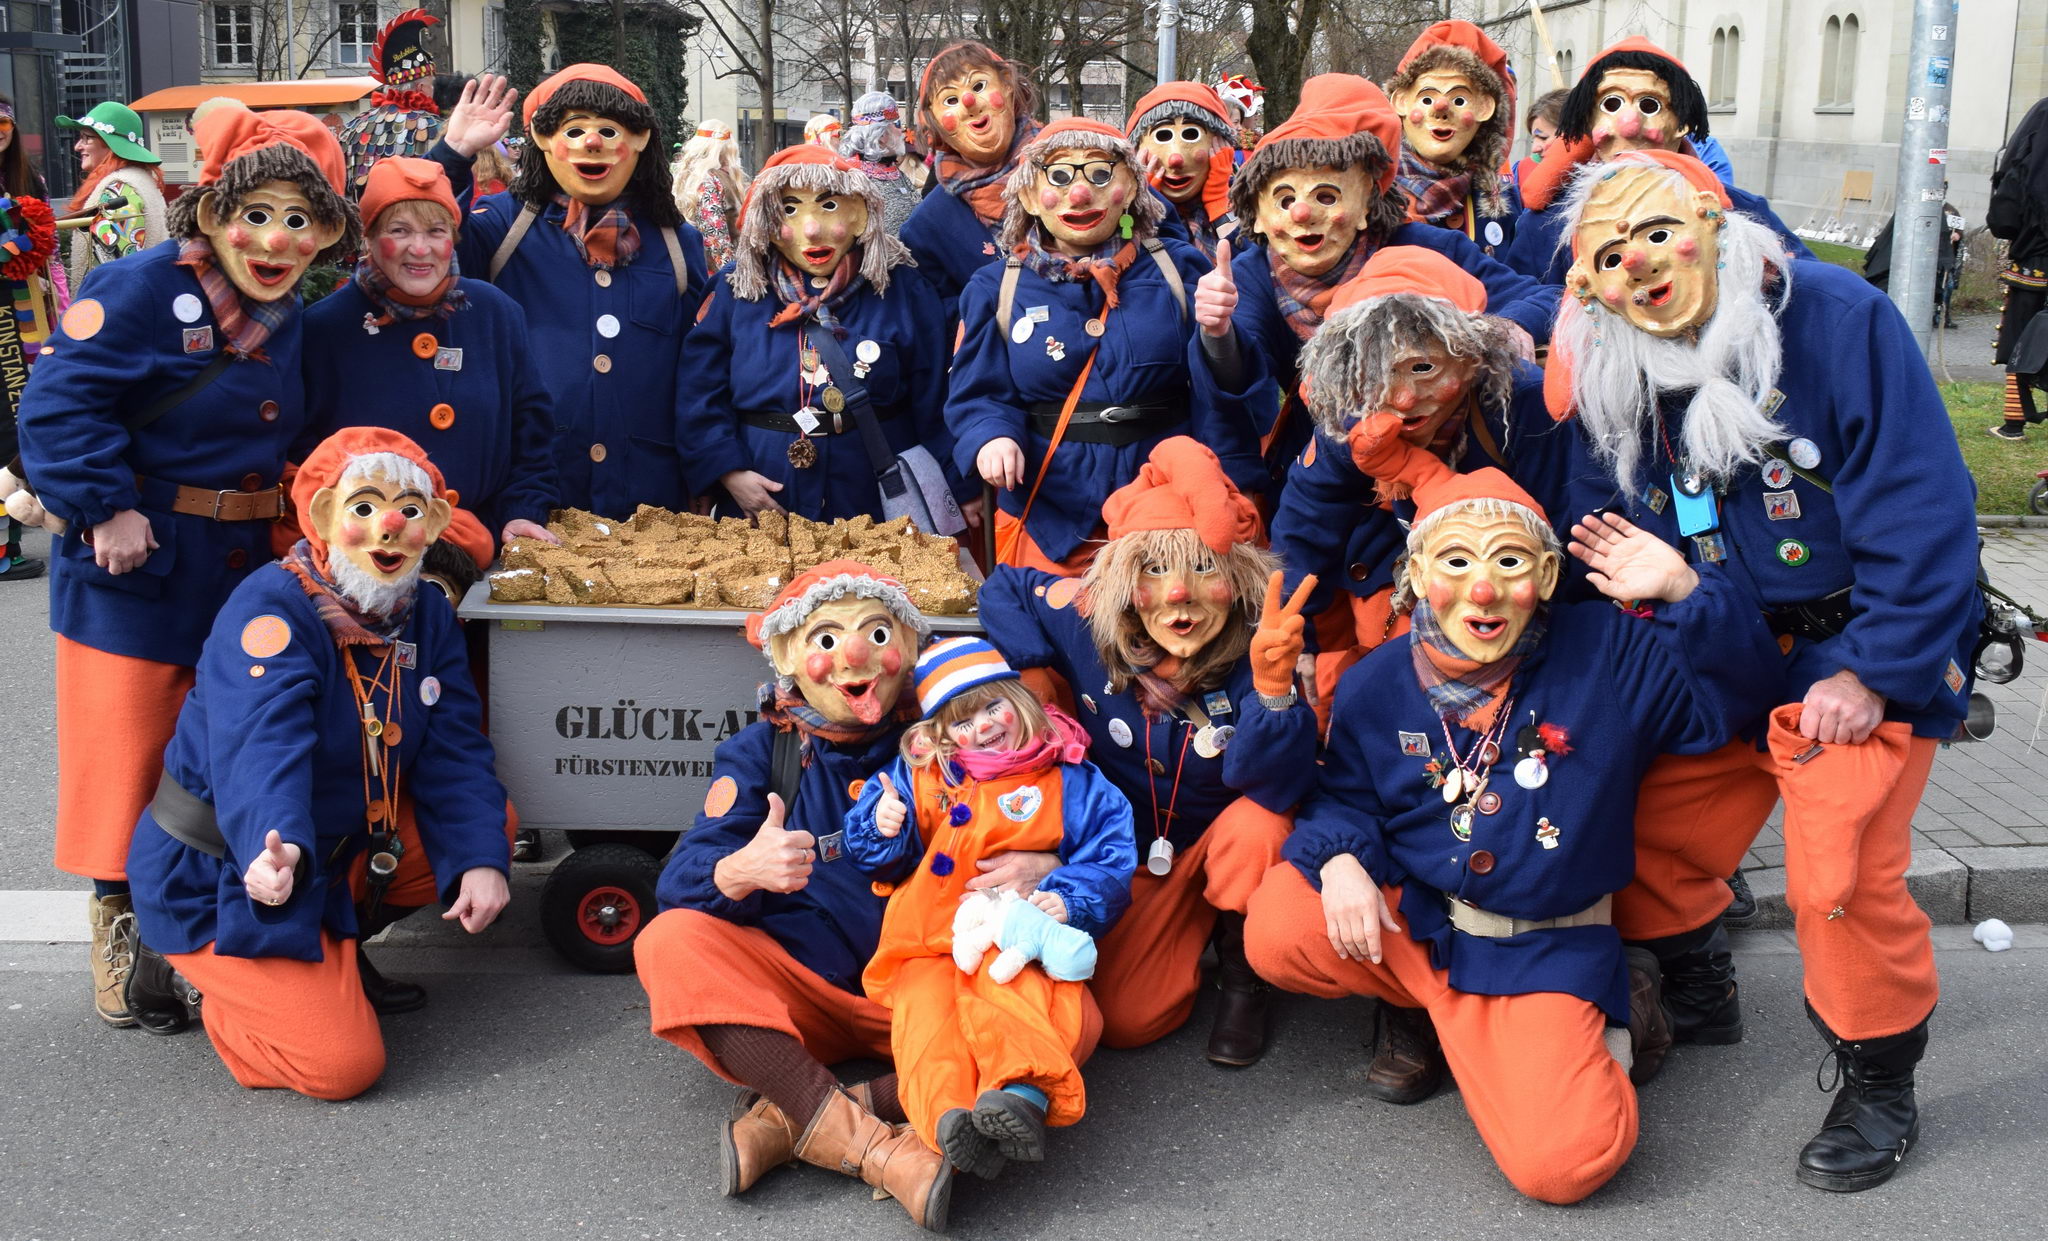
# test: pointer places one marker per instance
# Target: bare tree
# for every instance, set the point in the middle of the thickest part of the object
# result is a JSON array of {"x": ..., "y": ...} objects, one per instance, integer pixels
[
  {"x": 837, "y": 38},
  {"x": 747, "y": 28}
]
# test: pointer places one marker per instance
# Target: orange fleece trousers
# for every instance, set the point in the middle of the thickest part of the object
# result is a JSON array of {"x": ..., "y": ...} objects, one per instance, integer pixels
[
  {"x": 1549, "y": 1100},
  {"x": 699, "y": 970},
  {"x": 115, "y": 715},
  {"x": 956, "y": 1034},
  {"x": 1869, "y": 969},
  {"x": 1149, "y": 967},
  {"x": 280, "y": 1024}
]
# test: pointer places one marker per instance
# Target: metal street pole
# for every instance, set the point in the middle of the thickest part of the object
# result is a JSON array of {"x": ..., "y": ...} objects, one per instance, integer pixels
[
  {"x": 1169, "y": 41},
  {"x": 1917, "y": 228}
]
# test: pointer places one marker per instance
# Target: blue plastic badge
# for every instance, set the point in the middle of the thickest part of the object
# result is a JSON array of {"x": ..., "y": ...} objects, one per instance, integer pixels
[{"x": 1696, "y": 513}]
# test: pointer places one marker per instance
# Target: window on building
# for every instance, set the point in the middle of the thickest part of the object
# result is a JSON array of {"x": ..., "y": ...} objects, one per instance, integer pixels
[
  {"x": 1838, "y": 41},
  {"x": 494, "y": 39},
  {"x": 1727, "y": 66},
  {"x": 233, "y": 34},
  {"x": 1566, "y": 66},
  {"x": 355, "y": 32}
]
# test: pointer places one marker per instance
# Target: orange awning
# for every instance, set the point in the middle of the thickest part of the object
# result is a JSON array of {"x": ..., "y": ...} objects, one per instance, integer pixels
[{"x": 306, "y": 92}]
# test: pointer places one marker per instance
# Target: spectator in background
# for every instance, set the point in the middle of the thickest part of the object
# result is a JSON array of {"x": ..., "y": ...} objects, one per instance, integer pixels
[
  {"x": 875, "y": 142},
  {"x": 19, "y": 178},
  {"x": 119, "y": 206},
  {"x": 709, "y": 183},
  {"x": 2019, "y": 215},
  {"x": 493, "y": 169},
  {"x": 823, "y": 130}
]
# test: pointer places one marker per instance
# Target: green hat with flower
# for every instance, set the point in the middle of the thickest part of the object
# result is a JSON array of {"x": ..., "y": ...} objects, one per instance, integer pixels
[{"x": 116, "y": 125}]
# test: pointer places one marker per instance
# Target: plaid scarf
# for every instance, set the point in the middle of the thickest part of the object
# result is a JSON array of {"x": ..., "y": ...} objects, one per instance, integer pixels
[
  {"x": 394, "y": 306},
  {"x": 605, "y": 238},
  {"x": 1303, "y": 299},
  {"x": 1201, "y": 229},
  {"x": 981, "y": 185},
  {"x": 350, "y": 625},
  {"x": 787, "y": 709},
  {"x": 245, "y": 322},
  {"x": 1460, "y": 688},
  {"x": 1105, "y": 267},
  {"x": 1157, "y": 696},
  {"x": 801, "y": 301},
  {"x": 1434, "y": 196}
]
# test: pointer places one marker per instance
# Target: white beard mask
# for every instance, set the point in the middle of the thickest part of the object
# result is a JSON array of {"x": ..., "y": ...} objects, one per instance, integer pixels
[
  {"x": 366, "y": 591},
  {"x": 1619, "y": 371}
]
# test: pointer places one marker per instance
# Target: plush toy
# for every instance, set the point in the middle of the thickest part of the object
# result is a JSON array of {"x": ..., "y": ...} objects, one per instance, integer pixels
[{"x": 1024, "y": 933}]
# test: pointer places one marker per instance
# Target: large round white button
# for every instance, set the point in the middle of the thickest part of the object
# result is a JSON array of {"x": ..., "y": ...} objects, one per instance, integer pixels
[
  {"x": 187, "y": 307},
  {"x": 607, "y": 326}
]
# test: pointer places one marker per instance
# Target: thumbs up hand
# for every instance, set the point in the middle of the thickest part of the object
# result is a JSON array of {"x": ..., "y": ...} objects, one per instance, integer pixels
[
  {"x": 775, "y": 860},
  {"x": 890, "y": 811},
  {"x": 269, "y": 878},
  {"x": 1216, "y": 295}
]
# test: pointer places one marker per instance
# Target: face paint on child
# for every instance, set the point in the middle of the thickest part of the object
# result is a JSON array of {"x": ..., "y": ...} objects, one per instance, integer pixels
[{"x": 992, "y": 727}]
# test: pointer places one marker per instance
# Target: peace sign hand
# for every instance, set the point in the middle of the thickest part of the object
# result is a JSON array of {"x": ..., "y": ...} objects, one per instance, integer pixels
[{"x": 1277, "y": 644}]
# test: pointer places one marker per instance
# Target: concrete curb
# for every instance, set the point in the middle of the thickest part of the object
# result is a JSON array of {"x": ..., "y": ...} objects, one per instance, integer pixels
[
  {"x": 1954, "y": 886},
  {"x": 2008, "y": 521}
]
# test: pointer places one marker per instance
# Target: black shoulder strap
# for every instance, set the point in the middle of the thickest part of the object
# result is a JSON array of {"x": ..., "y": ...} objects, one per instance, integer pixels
[
  {"x": 180, "y": 394},
  {"x": 786, "y": 766}
]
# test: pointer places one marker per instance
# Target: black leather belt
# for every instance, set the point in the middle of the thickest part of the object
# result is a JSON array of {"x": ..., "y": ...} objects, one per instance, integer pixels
[
  {"x": 828, "y": 423},
  {"x": 1116, "y": 425},
  {"x": 1816, "y": 620},
  {"x": 189, "y": 819}
]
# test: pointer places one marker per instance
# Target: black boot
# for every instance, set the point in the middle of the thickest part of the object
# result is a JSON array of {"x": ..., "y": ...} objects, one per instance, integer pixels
[
  {"x": 1699, "y": 985},
  {"x": 1742, "y": 910},
  {"x": 1408, "y": 1061},
  {"x": 1874, "y": 1119},
  {"x": 385, "y": 995},
  {"x": 158, "y": 997},
  {"x": 1238, "y": 1036}
]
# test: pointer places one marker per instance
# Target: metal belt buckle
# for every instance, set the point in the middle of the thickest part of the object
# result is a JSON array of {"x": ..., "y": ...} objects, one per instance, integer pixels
[
  {"x": 219, "y": 498},
  {"x": 1117, "y": 413}
]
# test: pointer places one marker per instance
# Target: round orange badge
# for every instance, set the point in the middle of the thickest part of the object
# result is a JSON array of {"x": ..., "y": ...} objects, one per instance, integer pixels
[
  {"x": 266, "y": 636},
  {"x": 718, "y": 799},
  {"x": 1062, "y": 592},
  {"x": 442, "y": 416},
  {"x": 425, "y": 346},
  {"x": 85, "y": 319}
]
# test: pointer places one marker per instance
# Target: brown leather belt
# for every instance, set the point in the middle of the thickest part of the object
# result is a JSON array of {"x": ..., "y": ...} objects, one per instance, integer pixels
[{"x": 264, "y": 505}]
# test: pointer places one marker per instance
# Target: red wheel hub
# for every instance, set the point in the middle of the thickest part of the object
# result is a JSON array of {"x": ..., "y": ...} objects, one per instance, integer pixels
[{"x": 609, "y": 916}]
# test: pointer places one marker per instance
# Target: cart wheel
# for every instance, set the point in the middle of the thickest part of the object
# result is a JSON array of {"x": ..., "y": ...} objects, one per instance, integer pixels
[
  {"x": 655, "y": 844},
  {"x": 2037, "y": 503},
  {"x": 596, "y": 901}
]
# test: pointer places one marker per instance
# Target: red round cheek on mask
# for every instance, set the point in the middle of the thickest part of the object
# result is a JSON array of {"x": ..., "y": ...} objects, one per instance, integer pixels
[
  {"x": 1416, "y": 115},
  {"x": 817, "y": 665},
  {"x": 1118, "y": 196},
  {"x": 1219, "y": 593},
  {"x": 1142, "y": 596},
  {"x": 238, "y": 236},
  {"x": 1523, "y": 594},
  {"x": 892, "y": 661},
  {"x": 949, "y": 122},
  {"x": 1048, "y": 198},
  {"x": 1466, "y": 118},
  {"x": 1439, "y": 597},
  {"x": 308, "y": 246},
  {"x": 996, "y": 100},
  {"x": 353, "y": 535}
]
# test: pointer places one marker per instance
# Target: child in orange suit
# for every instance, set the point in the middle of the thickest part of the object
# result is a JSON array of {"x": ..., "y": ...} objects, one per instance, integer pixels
[{"x": 985, "y": 1066}]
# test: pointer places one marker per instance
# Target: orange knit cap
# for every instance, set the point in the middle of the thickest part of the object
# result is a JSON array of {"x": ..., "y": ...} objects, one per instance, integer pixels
[
  {"x": 404, "y": 179},
  {"x": 1047, "y": 138},
  {"x": 227, "y": 134},
  {"x": 1411, "y": 269},
  {"x": 1636, "y": 43},
  {"x": 585, "y": 72},
  {"x": 802, "y": 153},
  {"x": 1183, "y": 487},
  {"x": 1378, "y": 450},
  {"x": 1335, "y": 106}
]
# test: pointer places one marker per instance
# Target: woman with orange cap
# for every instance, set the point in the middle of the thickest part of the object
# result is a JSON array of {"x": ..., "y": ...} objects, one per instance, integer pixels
[
  {"x": 156, "y": 427},
  {"x": 1184, "y": 681},
  {"x": 409, "y": 345},
  {"x": 1479, "y": 780},
  {"x": 974, "y": 114},
  {"x": 332, "y": 748},
  {"x": 589, "y": 242},
  {"x": 1186, "y": 140},
  {"x": 1318, "y": 197},
  {"x": 1072, "y": 362},
  {"x": 821, "y": 312}
]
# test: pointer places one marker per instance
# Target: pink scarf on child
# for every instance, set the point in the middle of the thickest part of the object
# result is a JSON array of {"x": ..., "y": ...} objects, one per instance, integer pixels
[{"x": 1067, "y": 744}]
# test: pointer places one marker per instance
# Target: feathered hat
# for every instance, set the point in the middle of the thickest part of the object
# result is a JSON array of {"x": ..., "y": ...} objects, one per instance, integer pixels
[{"x": 808, "y": 167}]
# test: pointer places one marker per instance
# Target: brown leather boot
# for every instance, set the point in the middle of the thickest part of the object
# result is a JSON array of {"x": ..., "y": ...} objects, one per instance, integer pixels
[
  {"x": 760, "y": 1137},
  {"x": 1649, "y": 1026},
  {"x": 1237, "y": 1037},
  {"x": 847, "y": 1138},
  {"x": 1409, "y": 1063},
  {"x": 113, "y": 957}
]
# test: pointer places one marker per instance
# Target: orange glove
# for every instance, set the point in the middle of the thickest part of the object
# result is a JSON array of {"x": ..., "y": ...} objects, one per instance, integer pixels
[{"x": 1277, "y": 643}]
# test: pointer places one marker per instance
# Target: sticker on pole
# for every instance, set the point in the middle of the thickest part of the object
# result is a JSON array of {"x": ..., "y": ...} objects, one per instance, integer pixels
[
  {"x": 1916, "y": 109},
  {"x": 1937, "y": 155},
  {"x": 1937, "y": 70}
]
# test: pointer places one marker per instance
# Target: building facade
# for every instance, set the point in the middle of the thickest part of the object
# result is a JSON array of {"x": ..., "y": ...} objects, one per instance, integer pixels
[{"x": 1809, "y": 96}]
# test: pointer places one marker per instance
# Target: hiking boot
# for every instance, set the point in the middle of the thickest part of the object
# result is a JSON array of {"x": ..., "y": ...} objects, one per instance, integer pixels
[{"x": 1408, "y": 1066}]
